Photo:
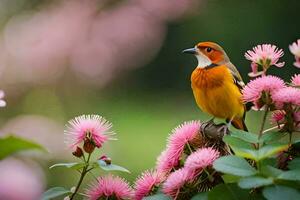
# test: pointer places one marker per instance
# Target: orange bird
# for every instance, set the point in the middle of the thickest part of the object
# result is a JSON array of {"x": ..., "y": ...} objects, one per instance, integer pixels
[{"x": 217, "y": 84}]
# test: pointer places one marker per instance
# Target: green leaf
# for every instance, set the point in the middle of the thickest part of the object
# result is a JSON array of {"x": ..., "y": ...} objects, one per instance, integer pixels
[
  {"x": 228, "y": 178},
  {"x": 271, "y": 136},
  {"x": 281, "y": 192},
  {"x": 294, "y": 164},
  {"x": 291, "y": 175},
  {"x": 73, "y": 165},
  {"x": 228, "y": 192},
  {"x": 55, "y": 192},
  {"x": 110, "y": 167},
  {"x": 240, "y": 147},
  {"x": 201, "y": 196},
  {"x": 12, "y": 144},
  {"x": 234, "y": 165},
  {"x": 159, "y": 196},
  {"x": 254, "y": 182},
  {"x": 270, "y": 171},
  {"x": 270, "y": 150},
  {"x": 245, "y": 136}
]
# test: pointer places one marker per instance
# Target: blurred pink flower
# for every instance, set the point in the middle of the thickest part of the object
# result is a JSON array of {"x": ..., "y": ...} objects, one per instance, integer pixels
[
  {"x": 296, "y": 116},
  {"x": 110, "y": 186},
  {"x": 146, "y": 183},
  {"x": 180, "y": 137},
  {"x": 287, "y": 95},
  {"x": 295, "y": 49},
  {"x": 296, "y": 80},
  {"x": 265, "y": 55},
  {"x": 176, "y": 181},
  {"x": 253, "y": 91},
  {"x": 278, "y": 117},
  {"x": 2, "y": 102},
  {"x": 166, "y": 11},
  {"x": 92, "y": 127},
  {"x": 20, "y": 181},
  {"x": 201, "y": 159}
]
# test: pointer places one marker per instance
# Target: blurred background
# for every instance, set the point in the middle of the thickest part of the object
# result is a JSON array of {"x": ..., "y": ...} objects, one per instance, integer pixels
[{"x": 120, "y": 59}]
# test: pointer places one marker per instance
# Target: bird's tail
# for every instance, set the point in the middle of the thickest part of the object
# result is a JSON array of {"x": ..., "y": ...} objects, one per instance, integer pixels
[{"x": 239, "y": 123}]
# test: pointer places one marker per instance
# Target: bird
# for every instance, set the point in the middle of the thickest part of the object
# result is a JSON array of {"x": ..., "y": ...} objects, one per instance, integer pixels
[{"x": 217, "y": 84}]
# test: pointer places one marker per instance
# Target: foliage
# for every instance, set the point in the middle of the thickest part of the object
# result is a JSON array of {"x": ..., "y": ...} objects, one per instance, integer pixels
[{"x": 12, "y": 144}]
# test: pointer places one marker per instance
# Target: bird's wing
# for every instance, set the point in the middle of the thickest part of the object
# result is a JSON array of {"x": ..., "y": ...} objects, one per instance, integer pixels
[{"x": 237, "y": 79}]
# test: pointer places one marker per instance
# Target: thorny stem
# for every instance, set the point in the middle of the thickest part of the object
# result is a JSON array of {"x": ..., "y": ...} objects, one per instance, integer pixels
[{"x": 83, "y": 173}]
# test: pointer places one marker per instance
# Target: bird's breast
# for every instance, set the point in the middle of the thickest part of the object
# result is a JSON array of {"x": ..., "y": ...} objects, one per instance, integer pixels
[{"x": 210, "y": 78}]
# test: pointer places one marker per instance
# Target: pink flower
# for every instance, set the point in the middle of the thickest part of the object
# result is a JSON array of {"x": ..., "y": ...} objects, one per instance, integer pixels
[
  {"x": 180, "y": 137},
  {"x": 296, "y": 80},
  {"x": 110, "y": 186},
  {"x": 146, "y": 183},
  {"x": 265, "y": 55},
  {"x": 253, "y": 91},
  {"x": 255, "y": 72},
  {"x": 201, "y": 159},
  {"x": 278, "y": 117},
  {"x": 164, "y": 164},
  {"x": 2, "y": 102},
  {"x": 287, "y": 95},
  {"x": 295, "y": 49},
  {"x": 92, "y": 127},
  {"x": 176, "y": 181}
]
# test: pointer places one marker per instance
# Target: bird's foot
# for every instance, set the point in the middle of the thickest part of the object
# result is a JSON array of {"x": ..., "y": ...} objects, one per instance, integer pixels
[
  {"x": 214, "y": 131},
  {"x": 224, "y": 129}
]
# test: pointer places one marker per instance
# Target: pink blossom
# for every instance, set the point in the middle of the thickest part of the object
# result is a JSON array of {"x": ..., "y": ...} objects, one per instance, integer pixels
[
  {"x": 93, "y": 127},
  {"x": 295, "y": 49},
  {"x": 164, "y": 164},
  {"x": 265, "y": 55},
  {"x": 287, "y": 95},
  {"x": 278, "y": 117},
  {"x": 110, "y": 186},
  {"x": 255, "y": 72},
  {"x": 253, "y": 91},
  {"x": 2, "y": 102},
  {"x": 146, "y": 183},
  {"x": 180, "y": 137},
  {"x": 176, "y": 181},
  {"x": 201, "y": 159},
  {"x": 296, "y": 80}
]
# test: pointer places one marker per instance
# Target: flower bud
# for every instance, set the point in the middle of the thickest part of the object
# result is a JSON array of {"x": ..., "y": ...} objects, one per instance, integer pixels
[
  {"x": 88, "y": 146},
  {"x": 78, "y": 152},
  {"x": 106, "y": 159}
]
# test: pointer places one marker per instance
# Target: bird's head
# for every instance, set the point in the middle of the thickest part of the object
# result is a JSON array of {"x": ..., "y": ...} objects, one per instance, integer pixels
[{"x": 208, "y": 53}]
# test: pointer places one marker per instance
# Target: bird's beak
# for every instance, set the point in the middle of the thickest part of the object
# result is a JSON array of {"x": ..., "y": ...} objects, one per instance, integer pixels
[{"x": 190, "y": 51}]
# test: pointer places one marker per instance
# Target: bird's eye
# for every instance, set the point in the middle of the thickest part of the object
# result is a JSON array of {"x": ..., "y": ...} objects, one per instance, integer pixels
[{"x": 208, "y": 49}]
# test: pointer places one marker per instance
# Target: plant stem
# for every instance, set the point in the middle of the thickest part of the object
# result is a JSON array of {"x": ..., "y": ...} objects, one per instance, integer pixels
[
  {"x": 189, "y": 147},
  {"x": 263, "y": 122},
  {"x": 83, "y": 173}
]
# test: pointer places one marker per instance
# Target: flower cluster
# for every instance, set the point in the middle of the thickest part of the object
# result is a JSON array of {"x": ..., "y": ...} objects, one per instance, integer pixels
[
  {"x": 93, "y": 131},
  {"x": 272, "y": 93},
  {"x": 183, "y": 168}
]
